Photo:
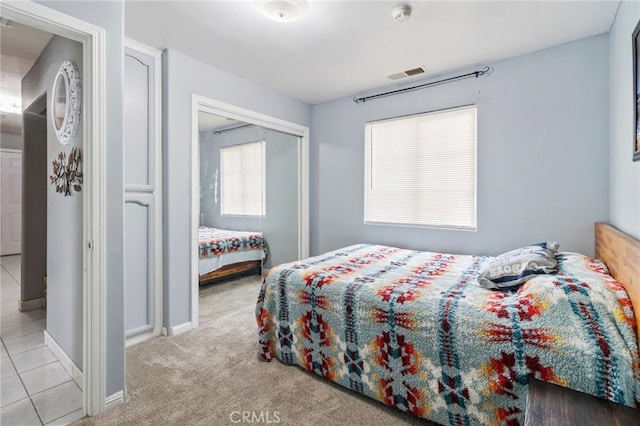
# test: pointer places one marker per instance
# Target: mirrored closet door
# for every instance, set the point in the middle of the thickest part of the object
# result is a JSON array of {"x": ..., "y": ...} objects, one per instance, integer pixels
[
  {"x": 232, "y": 198},
  {"x": 280, "y": 225},
  {"x": 249, "y": 184},
  {"x": 249, "y": 209}
]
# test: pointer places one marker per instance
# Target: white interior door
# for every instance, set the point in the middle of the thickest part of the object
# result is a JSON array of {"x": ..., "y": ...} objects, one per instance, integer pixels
[
  {"x": 10, "y": 202},
  {"x": 142, "y": 186}
]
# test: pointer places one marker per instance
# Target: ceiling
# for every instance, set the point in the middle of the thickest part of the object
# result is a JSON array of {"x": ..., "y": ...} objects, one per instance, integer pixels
[
  {"x": 342, "y": 48},
  {"x": 20, "y": 46}
]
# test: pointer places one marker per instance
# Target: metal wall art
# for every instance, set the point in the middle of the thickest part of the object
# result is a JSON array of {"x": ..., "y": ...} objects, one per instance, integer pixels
[{"x": 67, "y": 172}]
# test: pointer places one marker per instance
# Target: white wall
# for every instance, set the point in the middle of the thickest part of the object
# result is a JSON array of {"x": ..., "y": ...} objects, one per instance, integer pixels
[
  {"x": 182, "y": 77},
  {"x": 624, "y": 175},
  {"x": 542, "y": 156},
  {"x": 110, "y": 16},
  {"x": 10, "y": 141},
  {"x": 64, "y": 213}
]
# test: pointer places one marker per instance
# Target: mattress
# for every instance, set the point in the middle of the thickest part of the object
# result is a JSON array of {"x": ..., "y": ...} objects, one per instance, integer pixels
[{"x": 221, "y": 247}]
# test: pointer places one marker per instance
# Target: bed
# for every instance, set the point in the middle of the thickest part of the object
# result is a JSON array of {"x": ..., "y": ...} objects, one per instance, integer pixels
[
  {"x": 224, "y": 253},
  {"x": 414, "y": 331}
]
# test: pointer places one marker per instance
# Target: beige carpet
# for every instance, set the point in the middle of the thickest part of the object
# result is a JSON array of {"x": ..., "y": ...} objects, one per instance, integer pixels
[
  {"x": 211, "y": 375},
  {"x": 217, "y": 300}
]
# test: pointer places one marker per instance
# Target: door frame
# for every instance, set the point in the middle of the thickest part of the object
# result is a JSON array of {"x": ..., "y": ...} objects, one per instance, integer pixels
[
  {"x": 93, "y": 39},
  {"x": 204, "y": 104},
  {"x": 158, "y": 252}
]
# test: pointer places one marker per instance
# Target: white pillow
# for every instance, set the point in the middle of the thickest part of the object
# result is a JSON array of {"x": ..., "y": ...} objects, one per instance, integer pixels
[{"x": 514, "y": 268}]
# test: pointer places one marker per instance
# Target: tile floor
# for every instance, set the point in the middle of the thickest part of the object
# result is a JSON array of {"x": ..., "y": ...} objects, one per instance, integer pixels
[{"x": 34, "y": 387}]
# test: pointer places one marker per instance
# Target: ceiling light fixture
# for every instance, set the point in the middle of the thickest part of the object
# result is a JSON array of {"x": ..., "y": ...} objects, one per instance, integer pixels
[
  {"x": 284, "y": 10},
  {"x": 402, "y": 12}
]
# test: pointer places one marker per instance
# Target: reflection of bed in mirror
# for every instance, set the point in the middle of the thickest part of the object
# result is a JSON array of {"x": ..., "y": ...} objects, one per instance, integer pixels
[{"x": 224, "y": 253}]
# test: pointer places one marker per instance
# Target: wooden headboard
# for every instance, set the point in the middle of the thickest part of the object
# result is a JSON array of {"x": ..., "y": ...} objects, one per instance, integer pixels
[{"x": 621, "y": 254}]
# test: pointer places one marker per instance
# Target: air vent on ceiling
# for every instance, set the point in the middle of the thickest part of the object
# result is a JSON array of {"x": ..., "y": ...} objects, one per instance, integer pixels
[{"x": 407, "y": 73}]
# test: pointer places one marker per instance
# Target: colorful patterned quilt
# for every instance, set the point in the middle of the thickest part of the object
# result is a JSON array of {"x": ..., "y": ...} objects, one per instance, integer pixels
[
  {"x": 415, "y": 331},
  {"x": 215, "y": 242}
]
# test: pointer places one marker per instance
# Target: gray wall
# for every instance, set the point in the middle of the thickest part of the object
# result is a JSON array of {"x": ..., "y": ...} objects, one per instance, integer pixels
[
  {"x": 10, "y": 141},
  {"x": 110, "y": 16},
  {"x": 542, "y": 156},
  {"x": 280, "y": 223},
  {"x": 63, "y": 214},
  {"x": 184, "y": 76},
  {"x": 624, "y": 175}
]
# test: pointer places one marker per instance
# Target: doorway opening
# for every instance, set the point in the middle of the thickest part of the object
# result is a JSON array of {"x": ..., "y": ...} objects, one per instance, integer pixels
[
  {"x": 248, "y": 210},
  {"x": 86, "y": 345},
  {"x": 250, "y": 203},
  {"x": 43, "y": 340}
]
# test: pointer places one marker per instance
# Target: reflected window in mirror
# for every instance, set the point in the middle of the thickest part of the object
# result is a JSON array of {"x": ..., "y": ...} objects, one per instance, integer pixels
[{"x": 242, "y": 179}]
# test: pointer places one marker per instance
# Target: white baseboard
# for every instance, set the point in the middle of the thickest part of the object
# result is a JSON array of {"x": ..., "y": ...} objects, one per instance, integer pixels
[
  {"x": 141, "y": 338},
  {"x": 31, "y": 305},
  {"x": 65, "y": 360},
  {"x": 178, "y": 329},
  {"x": 114, "y": 400}
]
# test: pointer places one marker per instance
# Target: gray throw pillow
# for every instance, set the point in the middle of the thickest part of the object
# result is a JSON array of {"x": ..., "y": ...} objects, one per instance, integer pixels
[{"x": 514, "y": 268}]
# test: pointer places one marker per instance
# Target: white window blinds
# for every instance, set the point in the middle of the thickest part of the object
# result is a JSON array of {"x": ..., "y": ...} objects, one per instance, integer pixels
[
  {"x": 421, "y": 170},
  {"x": 242, "y": 177}
]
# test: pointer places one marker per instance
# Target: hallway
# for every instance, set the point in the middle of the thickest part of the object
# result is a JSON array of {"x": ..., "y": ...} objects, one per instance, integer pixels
[{"x": 35, "y": 388}]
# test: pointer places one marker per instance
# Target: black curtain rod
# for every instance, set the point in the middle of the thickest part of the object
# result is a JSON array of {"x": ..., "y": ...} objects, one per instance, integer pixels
[
  {"x": 217, "y": 132},
  {"x": 475, "y": 74}
]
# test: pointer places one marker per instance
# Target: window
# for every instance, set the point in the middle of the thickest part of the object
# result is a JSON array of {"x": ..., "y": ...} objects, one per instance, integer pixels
[
  {"x": 421, "y": 170},
  {"x": 242, "y": 177}
]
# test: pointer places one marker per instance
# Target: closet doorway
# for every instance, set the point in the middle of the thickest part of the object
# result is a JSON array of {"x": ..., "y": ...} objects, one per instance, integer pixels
[{"x": 250, "y": 205}]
